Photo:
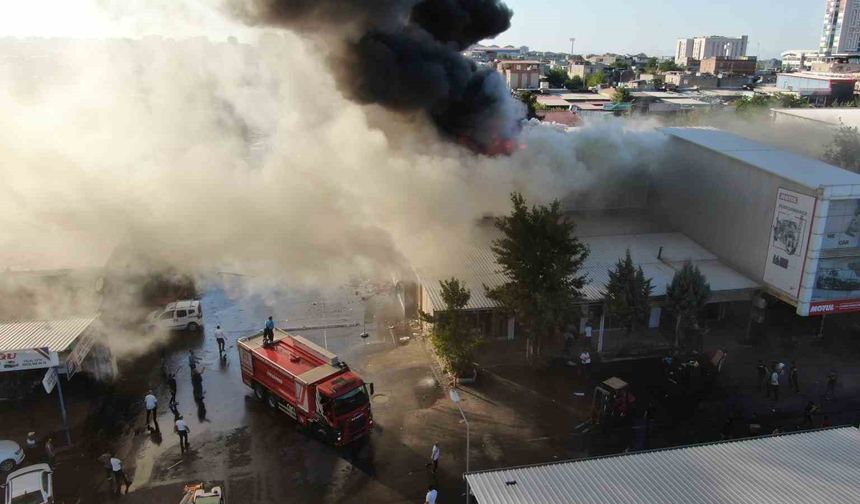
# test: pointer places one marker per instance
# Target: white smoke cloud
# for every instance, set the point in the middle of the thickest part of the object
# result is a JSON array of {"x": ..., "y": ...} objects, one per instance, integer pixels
[{"x": 232, "y": 157}]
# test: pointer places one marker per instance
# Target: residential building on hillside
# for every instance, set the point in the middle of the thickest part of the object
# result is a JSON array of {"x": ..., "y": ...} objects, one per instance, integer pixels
[
  {"x": 520, "y": 74},
  {"x": 841, "y": 32},
  {"x": 721, "y": 64},
  {"x": 706, "y": 47},
  {"x": 480, "y": 52}
]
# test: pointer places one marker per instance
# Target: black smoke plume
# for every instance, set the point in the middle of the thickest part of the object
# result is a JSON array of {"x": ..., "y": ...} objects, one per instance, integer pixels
[{"x": 405, "y": 55}]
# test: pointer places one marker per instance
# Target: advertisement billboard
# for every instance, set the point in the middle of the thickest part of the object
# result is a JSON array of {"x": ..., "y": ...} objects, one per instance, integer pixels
[
  {"x": 792, "y": 219},
  {"x": 837, "y": 280},
  {"x": 34, "y": 358}
]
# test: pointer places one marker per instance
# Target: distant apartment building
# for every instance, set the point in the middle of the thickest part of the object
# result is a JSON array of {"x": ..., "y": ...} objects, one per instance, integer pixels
[
  {"x": 604, "y": 59},
  {"x": 480, "y": 52},
  {"x": 723, "y": 65},
  {"x": 841, "y": 32},
  {"x": 583, "y": 69},
  {"x": 687, "y": 80},
  {"x": 707, "y": 47},
  {"x": 798, "y": 59},
  {"x": 520, "y": 74}
]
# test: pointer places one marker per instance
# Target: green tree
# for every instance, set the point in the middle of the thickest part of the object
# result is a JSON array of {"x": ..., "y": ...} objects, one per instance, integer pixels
[
  {"x": 668, "y": 66},
  {"x": 542, "y": 258},
  {"x": 556, "y": 77},
  {"x": 762, "y": 103},
  {"x": 628, "y": 294},
  {"x": 575, "y": 83},
  {"x": 686, "y": 297},
  {"x": 622, "y": 95},
  {"x": 452, "y": 337},
  {"x": 844, "y": 150},
  {"x": 530, "y": 99},
  {"x": 651, "y": 65},
  {"x": 596, "y": 78}
]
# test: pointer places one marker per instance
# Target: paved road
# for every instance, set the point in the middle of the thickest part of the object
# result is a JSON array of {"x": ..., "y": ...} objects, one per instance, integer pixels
[{"x": 258, "y": 453}]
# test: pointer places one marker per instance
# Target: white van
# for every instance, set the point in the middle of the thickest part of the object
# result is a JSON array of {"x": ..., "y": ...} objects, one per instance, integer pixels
[
  {"x": 178, "y": 315},
  {"x": 30, "y": 485}
]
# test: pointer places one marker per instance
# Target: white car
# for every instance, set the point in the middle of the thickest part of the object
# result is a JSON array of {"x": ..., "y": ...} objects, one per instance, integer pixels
[
  {"x": 11, "y": 455},
  {"x": 177, "y": 315},
  {"x": 30, "y": 485}
]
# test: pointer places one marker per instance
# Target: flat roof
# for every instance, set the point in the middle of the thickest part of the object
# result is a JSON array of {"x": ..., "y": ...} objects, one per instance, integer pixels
[
  {"x": 811, "y": 466},
  {"x": 821, "y": 76},
  {"x": 552, "y": 101},
  {"x": 583, "y": 97},
  {"x": 57, "y": 335},
  {"x": 687, "y": 101},
  {"x": 803, "y": 170},
  {"x": 828, "y": 116},
  {"x": 479, "y": 267}
]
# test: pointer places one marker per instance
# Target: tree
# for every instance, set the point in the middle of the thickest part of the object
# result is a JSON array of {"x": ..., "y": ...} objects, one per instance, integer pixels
[
  {"x": 628, "y": 294},
  {"x": 844, "y": 150},
  {"x": 556, "y": 77},
  {"x": 452, "y": 337},
  {"x": 530, "y": 100},
  {"x": 575, "y": 83},
  {"x": 686, "y": 297},
  {"x": 541, "y": 257},
  {"x": 762, "y": 103},
  {"x": 596, "y": 78},
  {"x": 668, "y": 66},
  {"x": 651, "y": 65},
  {"x": 622, "y": 95}
]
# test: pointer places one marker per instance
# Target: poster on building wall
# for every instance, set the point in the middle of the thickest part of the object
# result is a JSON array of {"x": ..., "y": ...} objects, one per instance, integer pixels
[
  {"x": 792, "y": 218},
  {"x": 33, "y": 358}
]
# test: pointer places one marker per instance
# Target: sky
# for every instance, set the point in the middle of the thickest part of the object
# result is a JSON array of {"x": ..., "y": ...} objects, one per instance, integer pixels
[{"x": 623, "y": 26}]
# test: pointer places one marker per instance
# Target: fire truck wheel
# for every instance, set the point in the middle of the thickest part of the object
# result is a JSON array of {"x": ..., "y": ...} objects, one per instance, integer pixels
[
  {"x": 259, "y": 392},
  {"x": 272, "y": 401}
]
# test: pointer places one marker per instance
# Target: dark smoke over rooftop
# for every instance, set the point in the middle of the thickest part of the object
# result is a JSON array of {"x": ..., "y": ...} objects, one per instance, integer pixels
[{"x": 405, "y": 55}]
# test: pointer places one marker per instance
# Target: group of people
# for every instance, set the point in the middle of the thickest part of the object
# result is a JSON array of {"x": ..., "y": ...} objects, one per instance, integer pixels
[
  {"x": 570, "y": 340},
  {"x": 771, "y": 378}
]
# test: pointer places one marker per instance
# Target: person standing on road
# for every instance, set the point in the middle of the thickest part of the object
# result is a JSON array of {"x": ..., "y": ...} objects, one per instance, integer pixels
[
  {"x": 761, "y": 374},
  {"x": 192, "y": 360},
  {"x": 151, "y": 404},
  {"x": 171, "y": 384},
  {"x": 810, "y": 410},
  {"x": 792, "y": 377},
  {"x": 50, "y": 453},
  {"x": 430, "y": 498},
  {"x": 182, "y": 430},
  {"x": 585, "y": 362},
  {"x": 119, "y": 476},
  {"x": 434, "y": 457},
  {"x": 197, "y": 383},
  {"x": 269, "y": 331},
  {"x": 588, "y": 334},
  {"x": 219, "y": 337},
  {"x": 773, "y": 383},
  {"x": 831, "y": 384}
]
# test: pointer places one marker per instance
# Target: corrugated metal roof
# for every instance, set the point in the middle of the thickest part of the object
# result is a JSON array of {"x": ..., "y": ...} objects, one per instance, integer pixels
[
  {"x": 808, "y": 467},
  {"x": 803, "y": 170},
  {"x": 826, "y": 116},
  {"x": 57, "y": 335}
]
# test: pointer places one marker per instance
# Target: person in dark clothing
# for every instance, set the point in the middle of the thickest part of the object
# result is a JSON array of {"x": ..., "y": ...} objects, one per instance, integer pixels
[
  {"x": 197, "y": 383},
  {"x": 728, "y": 431},
  {"x": 831, "y": 384},
  {"x": 810, "y": 410},
  {"x": 792, "y": 377},
  {"x": 171, "y": 384},
  {"x": 761, "y": 373},
  {"x": 269, "y": 332}
]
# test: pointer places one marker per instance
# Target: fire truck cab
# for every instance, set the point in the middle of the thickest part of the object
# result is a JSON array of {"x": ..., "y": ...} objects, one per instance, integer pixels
[{"x": 308, "y": 383}]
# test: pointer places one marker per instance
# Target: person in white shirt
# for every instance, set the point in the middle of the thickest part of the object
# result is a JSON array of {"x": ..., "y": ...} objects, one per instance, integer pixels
[
  {"x": 430, "y": 498},
  {"x": 585, "y": 361},
  {"x": 773, "y": 383},
  {"x": 151, "y": 404},
  {"x": 219, "y": 337},
  {"x": 588, "y": 334},
  {"x": 182, "y": 429},
  {"x": 434, "y": 457},
  {"x": 119, "y": 476}
]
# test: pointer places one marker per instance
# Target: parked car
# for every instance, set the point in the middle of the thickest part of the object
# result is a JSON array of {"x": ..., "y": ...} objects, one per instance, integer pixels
[
  {"x": 178, "y": 315},
  {"x": 30, "y": 485},
  {"x": 11, "y": 455}
]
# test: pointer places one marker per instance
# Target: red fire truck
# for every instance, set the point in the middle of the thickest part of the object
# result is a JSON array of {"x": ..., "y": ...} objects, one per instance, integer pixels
[{"x": 308, "y": 383}]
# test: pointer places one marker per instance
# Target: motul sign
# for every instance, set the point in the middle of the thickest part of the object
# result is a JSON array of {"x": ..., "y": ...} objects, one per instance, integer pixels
[{"x": 828, "y": 307}]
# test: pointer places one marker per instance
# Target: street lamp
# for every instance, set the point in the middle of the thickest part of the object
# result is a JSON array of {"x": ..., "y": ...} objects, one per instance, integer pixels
[{"x": 455, "y": 396}]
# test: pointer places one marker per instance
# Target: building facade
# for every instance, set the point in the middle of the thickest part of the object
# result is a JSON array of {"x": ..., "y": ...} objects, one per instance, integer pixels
[
  {"x": 583, "y": 69},
  {"x": 520, "y": 74},
  {"x": 841, "y": 32},
  {"x": 798, "y": 59},
  {"x": 707, "y": 47},
  {"x": 721, "y": 64},
  {"x": 819, "y": 88}
]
